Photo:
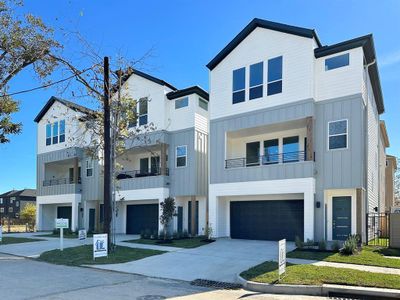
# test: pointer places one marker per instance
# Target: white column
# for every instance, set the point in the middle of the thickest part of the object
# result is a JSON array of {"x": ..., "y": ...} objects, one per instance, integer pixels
[
  {"x": 213, "y": 212},
  {"x": 309, "y": 215},
  {"x": 39, "y": 217},
  {"x": 74, "y": 221}
]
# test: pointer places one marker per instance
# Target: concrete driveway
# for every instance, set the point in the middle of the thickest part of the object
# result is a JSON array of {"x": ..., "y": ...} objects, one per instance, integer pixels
[{"x": 219, "y": 261}]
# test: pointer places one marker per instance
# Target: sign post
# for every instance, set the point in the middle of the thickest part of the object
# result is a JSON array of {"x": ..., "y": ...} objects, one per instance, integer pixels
[
  {"x": 61, "y": 224},
  {"x": 100, "y": 245},
  {"x": 281, "y": 258},
  {"x": 1, "y": 233}
]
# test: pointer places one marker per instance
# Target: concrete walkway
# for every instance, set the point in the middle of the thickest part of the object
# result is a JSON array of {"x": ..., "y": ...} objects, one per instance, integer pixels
[{"x": 373, "y": 269}]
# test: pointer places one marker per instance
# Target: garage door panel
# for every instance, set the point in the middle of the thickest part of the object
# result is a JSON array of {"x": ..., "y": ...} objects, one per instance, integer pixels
[
  {"x": 267, "y": 220},
  {"x": 141, "y": 217}
]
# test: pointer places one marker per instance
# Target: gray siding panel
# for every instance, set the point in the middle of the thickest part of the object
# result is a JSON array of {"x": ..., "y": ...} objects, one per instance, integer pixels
[
  {"x": 201, "y": 170},
  {"x": 143, "y": 183},
  {"x": 92, "y": 185}
]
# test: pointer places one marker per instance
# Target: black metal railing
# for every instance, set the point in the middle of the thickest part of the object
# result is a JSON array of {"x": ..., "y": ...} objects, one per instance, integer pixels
[
  {"x": 140, "y": 173},
  {"x": 378, "y": 229},
  {"x": 59, "y": 181},
  {"x": 270, "y": 159}
]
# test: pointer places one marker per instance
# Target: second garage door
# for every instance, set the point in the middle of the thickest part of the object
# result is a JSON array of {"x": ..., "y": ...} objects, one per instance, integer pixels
[
  {"x": 267, "y": 220},
  {"x": 141, "y": 217}
]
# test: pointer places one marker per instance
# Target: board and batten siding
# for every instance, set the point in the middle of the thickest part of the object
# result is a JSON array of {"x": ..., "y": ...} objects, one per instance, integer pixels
[
  {"x": 201, "y": 150},
  {"x": 92, "y": 185},
  {"x": 267, "y": 116}
]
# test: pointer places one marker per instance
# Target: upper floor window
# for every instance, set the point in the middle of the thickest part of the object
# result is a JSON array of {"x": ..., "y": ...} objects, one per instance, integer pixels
[
  {"x": 143, "y": 109},
  {"x": 62, "y": 131},
  {"x": 1, "y": 200},
  {"x": 89, "y": 168},
  {"x": 239, "y": 85},
  {"x": 256, "y": 81},
  {"x": 203, "y": 104},
  {"x": 10, "y": 210},
  {"x": 274, "y": 76},
  {"x": 181, "y": 102},
  {"x": 17, "y": 203},
  {"x": 337, "y": 134},
  {"x": 181, "y": 156},
  {"x": 12, "y": 199},
  {"x": 55, "y": 133},
  {"x": 2, "y": 209},
  {"x": 48, "y": 134},
  {"x": 337, "y": 62}
]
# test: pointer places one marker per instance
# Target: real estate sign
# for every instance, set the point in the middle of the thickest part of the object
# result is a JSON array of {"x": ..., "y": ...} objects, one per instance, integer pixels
[
  {"x": 282, "y": 257},
  {"x": 62, "y": 223},
  {"x": 82, "y": 235},
  {"x": 100, "y": 247}
]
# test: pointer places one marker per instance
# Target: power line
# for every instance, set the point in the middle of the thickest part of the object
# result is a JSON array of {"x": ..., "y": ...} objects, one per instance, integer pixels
[{"x": 45, "y": 85}]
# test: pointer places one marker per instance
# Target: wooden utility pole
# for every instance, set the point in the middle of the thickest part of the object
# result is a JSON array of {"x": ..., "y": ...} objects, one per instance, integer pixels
[{"x": 107, "y": 153}]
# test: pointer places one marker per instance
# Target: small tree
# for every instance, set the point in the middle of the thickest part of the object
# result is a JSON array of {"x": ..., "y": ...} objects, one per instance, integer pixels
[
  {"x": 28, "y": 215},
  {"x": 168, "y": 211}
]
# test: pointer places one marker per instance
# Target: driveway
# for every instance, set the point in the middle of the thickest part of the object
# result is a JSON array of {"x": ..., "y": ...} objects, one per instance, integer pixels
[{"x": 219, "y": 261}]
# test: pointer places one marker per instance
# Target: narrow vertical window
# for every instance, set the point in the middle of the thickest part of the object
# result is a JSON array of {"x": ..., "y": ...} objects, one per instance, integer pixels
[
  {"x": 55, "y": 132},
  {"x": 89, "y": 168},
  {"x": 203, "y": 104},
  {"x": 274, "y": 76},
  {"x": 337, "y": 62},
  {"x": 48, "y": 134},
  {"x": 256, "y": 81},
  {"x": 181, "y": 156},
  {"x": 239, "y": 85},
  {"x": 291, "y": 149},
  {"x": 271, "y": 152},
  {"x": 337, "y": 134},
  {"x": 143, "y": 108},
  {"x": 62, "y": 131}
]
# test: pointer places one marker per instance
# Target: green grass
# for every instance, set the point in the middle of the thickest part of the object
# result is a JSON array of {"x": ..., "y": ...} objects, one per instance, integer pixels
[
  {"x": 83, "y": 255},
  {"x": 370, "y": 256},
  {"x": 314, "y": 275},
  {"x": 17, "y": 240},
  {"x": 181, "y": 243},
  {"x": 66, "y": 235}
]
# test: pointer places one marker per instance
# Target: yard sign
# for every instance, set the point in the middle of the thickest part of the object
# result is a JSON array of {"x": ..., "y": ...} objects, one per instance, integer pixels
[
  {"x": 282, "y": 257},
  {"x": 100, "y": 245},
  {"x": 82, "y": 235},
  {"x": 61, "y": 224}
]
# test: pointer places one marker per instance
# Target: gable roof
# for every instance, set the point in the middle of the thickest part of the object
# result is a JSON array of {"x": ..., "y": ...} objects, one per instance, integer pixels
[
  {"x": 22, "y": 193},
  {"x": 69, "y": 104},
  {"x": 127, "y": 74},
  {"x": 188, "y": 91},
  {"x": 300, "y": 31},
  {"x": 367, "y": 43}
]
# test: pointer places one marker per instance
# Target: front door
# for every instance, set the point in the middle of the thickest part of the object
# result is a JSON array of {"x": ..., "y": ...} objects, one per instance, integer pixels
[
  {"x": 180, "y": 218},
  {"x": 341, "y": 218},
  {"x": 92, "y": 215},
  {"x": 144, "y": 166}
]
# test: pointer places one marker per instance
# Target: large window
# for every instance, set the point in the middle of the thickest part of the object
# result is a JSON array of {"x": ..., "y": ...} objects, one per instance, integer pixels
[
  {"x": 271, "y": 152},
  {"x": 180, "y": 103},
  {"x": 239, "y": 85},
  {"x": 337, "y": 62},
  {"x": 291, "y": 149},
  {"x": 143, "y": 108},
  {"x": 62, "y": 131},
  {"x": 274, "y": 76},
  {"x": 252, "y": 154},
  {"x": 203, "y": 104},
  {"x": 48, "y": 134},
  {"x": 55, "y": 133},
  {"x": 181, "y": 156},
  {"x": 256, "y": 81},
  {"x": 89, "y": 168},
  {"x": 337, "y": 134}
]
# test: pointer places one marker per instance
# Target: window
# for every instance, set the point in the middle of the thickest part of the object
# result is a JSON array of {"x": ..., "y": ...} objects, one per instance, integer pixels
[
  {"x": 239, "y": 85},
  {"x": 89, "y": 168},
  {"x": 252, "y": 154},
  {"x": 55, "y": 132},
  {"x": 337, "y": 134},
  {"x": 48, "y": 134},
  {"x": 256, "y": 81},
  {"x": 62, "y": 131},
  {"x": 271, "y": 152},
  {"x": 2, "y": 209},
  {"x": 291, "y": 149},
  {"x": 10, "y": 210},
  {"x": 1, "y": 200},
  {"x": 17, "y": 203},
  {"x": 337, "y": 62},
  {"x": 181, "y": 102},
  {"x": 181, "y": 156},
  {"x": 143, "y": 108},
  {"x": 203, "y": 104},
  {"x": 12, "y": 199},
  {"x": 274, "y": 76}
]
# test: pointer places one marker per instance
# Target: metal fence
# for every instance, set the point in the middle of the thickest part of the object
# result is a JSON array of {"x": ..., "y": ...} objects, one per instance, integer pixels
[
  {"x": 378, "y": 229},
  {"x": 269, "y": 159}
]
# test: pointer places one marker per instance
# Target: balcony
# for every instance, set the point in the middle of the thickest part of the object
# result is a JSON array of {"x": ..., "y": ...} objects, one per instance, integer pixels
[
  {"x": 59, "y": 181},
  {"x": 136, "y": 179},
  {"x": 266, "y": 160}
]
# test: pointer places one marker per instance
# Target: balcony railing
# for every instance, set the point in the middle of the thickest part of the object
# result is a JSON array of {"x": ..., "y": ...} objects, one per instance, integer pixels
[
  {"x": 59, "y": 181},
  {"x": 139, "y": 173},
  {"x": 270, "y": 159}
]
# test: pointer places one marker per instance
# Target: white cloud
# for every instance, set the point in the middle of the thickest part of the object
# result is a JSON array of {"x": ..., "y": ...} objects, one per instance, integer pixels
[{"x": 390, "y": 59}]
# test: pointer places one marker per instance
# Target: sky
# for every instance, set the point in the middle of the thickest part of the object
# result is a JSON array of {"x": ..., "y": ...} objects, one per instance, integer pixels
[{"x": 184, "y": 36}]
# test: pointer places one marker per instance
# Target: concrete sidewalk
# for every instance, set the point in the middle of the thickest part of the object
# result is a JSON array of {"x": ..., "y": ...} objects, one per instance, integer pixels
[{"x": 372, "y": 269}]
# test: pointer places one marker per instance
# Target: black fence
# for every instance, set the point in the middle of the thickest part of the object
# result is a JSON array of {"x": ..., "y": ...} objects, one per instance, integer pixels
[
  {"x": 378, "y": 229},
  {"x": 269, "y": 159}
]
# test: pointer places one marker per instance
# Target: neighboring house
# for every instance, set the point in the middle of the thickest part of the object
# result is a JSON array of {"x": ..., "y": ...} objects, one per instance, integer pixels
[
  {"x": 390, "y": 171},
  {"x": 294, "y": 135},
  {"x": 12, "y": 202},
  {"x": 169, "y": 161}
]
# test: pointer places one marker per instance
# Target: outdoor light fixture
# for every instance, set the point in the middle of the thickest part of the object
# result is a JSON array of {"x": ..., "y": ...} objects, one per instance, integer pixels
[{"x": 318, "y": 204}]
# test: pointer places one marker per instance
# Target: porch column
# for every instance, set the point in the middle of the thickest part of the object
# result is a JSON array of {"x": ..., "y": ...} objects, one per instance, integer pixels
[
  {"x": 308, "y": 215},
  {"x": 76, "y": 170},
  {"x": 75, "y": 214},
  {"x": 310, "y": 144},
  {"x": 38, "y": 217},
  {"x": 163, "y": 159},
  {"x": 193, "y": 216}
]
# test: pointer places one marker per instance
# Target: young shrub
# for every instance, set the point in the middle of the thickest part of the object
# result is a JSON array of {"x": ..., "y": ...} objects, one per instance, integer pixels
[
  {"x": 154, "y": 235},
  {"x": 208, "y": 232},
  {"x": 322, "y": 245},
  {"x": 335, "y": 246},
  {"x": 299, "y": 243},
  {"x": 350, "y": 246},
  {"x": 168, "y": 208}
]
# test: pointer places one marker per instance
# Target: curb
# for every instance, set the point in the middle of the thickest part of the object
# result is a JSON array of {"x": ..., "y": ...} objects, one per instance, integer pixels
[{"x": 314, "y": 290}]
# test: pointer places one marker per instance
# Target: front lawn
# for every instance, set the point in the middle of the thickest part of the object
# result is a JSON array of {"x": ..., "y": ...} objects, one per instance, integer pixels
[
  {"x": 17, "y": 240},
  {"x": 83, "y": 255},
  {"x": 180, "y": 243},
  {"x": 371, "y": 256},
  {"x": 313, "y": 275}
]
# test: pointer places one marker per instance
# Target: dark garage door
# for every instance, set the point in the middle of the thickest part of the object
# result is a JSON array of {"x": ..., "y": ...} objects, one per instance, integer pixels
[
  {"x": 141, "y": 217},
  {"x": 267, "y": 220}
]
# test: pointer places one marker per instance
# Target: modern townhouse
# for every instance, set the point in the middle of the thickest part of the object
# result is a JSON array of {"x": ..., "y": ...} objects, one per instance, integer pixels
[
  {"x": 296, "y": 141},
  {"x": 12, "y": 202},
  {"x": 170, "y": 160}
]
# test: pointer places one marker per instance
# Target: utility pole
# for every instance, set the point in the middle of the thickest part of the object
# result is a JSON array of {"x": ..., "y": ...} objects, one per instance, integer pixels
[{"x": 107, "y": 153}]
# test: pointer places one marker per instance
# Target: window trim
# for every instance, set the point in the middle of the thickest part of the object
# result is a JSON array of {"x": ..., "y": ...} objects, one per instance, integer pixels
[
  {"x": 335, "y": 56},
  {"x": 240, "y": 90},
  {"x": 61, "y": 133},
  {"x": 139, "y": 115},
  {"x": 176, "y": 156},
  {"x": 180, "y": 100},
  {"x": 347, "y": 135},
  {"x": 277, "y": 80},
  {"x": 49, "y": 126},
  {"x": 258, "y": 85},
  {"x": 89, "y": 166}
]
